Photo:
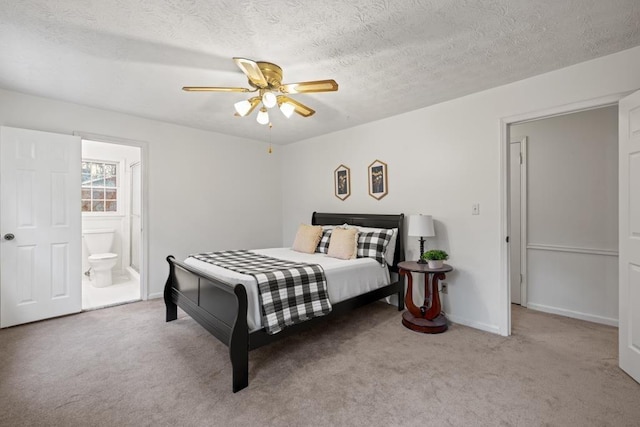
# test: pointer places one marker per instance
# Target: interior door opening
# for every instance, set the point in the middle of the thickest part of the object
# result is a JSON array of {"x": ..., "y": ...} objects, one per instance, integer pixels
[
  {"x": 111, "y": 223},
  {"x": 563, "y": 214}
]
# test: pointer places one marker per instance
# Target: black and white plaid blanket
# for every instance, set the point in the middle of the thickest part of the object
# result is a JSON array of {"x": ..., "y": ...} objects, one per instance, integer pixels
[{"x": 290, "y": 292}]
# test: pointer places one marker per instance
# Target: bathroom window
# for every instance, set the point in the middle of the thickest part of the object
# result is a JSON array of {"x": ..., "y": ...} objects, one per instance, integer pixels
[{"x": 99, "y": 186}]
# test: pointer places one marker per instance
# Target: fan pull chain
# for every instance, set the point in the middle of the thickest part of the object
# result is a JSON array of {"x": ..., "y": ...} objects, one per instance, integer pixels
[{"x": 270, "y": 146}]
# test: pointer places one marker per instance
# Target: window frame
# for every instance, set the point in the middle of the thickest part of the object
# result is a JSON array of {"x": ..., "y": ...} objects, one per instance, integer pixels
[{"x": 119, "y": 196}]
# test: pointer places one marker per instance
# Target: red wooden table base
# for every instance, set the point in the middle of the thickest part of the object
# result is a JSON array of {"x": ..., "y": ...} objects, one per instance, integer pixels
[
  {"x": 427, "y": 318},
  {"x": 435, "y": 326}
]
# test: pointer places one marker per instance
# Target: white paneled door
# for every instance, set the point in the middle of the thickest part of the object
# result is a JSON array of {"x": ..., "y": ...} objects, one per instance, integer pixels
[
  {"x": 629, "y": 181},
  {"x": 40, "y": 226}
]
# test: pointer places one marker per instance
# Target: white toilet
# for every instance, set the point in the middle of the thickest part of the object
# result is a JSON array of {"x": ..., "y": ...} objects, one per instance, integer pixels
[{"x": 100, "y": 259}]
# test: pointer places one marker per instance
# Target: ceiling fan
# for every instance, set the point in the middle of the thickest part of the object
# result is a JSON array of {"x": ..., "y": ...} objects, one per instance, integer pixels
[{"x": 266, "y": 79}]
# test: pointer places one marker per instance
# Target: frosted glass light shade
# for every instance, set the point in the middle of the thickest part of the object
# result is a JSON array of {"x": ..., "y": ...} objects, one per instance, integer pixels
[
  {"x": 287, "y": 109},
  {"x": 242, "y": 107},
  {"x": 269, "y": 100},
  {"x": 421, "y": 226},
  {"x": 263, "y": 116}
]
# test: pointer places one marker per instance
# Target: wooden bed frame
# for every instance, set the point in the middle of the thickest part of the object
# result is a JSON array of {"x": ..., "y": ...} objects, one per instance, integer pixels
[{"x": 221, "y": 308}]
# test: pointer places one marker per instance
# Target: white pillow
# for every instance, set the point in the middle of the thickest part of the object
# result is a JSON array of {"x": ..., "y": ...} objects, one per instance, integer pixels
[
  {"x": 307, "y": 238},
  {"x": 343, "y": 243}
]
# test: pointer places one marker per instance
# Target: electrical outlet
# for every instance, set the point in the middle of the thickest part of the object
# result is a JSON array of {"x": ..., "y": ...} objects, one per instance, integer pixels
[
  {"x": 475, "y": 209},
  {"x": 444, "y": 287}
]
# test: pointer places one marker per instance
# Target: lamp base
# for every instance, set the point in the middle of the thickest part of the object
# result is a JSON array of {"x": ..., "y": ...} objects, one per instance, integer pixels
[{"x": 420, "y": 260}]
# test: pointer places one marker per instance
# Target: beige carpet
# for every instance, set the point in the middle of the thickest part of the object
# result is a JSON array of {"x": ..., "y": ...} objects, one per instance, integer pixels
[{"x": 125, "y": 366}]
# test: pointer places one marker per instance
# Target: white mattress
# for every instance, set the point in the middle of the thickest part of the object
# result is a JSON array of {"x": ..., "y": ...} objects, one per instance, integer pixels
[{"x": 345, "y": 278}]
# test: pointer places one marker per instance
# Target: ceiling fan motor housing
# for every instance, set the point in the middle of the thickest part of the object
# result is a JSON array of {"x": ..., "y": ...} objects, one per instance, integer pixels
[{"x": 272, "y": 74}]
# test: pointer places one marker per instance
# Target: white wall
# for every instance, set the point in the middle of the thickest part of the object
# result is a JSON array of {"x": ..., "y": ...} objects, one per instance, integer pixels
[
  {"x": 572, "y": 196},
  {"x": 442, "y": 159},
  {"x": 207, "y": 191},
  {"x": 124, "y": 156}
]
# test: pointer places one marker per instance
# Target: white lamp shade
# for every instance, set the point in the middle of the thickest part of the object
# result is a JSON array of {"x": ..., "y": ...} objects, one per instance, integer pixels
[
  {"x": 287, "y": 109},
  {"x": 421, "y": 225},
  {"x": 242, "y": 107},
  {"x": 263, "y": 116},
  {"x": 269, "y": 99}
]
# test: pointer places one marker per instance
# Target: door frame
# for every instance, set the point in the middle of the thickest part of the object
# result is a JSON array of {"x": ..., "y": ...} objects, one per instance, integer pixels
[
  {"x": 144, "y": 168},
  {"x": 504, "y": 315},
  {"x": 131, "y": 166}
]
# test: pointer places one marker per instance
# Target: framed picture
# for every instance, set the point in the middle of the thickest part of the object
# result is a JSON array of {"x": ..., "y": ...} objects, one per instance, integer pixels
[
  {"x": 342, "y": 182},
  {"x": 378, "y": 180}
]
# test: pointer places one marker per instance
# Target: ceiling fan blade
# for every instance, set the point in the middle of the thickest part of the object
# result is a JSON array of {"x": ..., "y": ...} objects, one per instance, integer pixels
[
  {"x": 253, "y": 72},
  {"x": 301, "y": 109},
  {"x": 215, "y": 89},
  {"x": 310, "y": 87}
]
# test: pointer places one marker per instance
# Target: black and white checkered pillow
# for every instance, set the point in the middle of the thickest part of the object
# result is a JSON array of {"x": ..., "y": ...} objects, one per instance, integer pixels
[
  {"x": 374, "y": 244},
  {"x": 323, "y": 245}
]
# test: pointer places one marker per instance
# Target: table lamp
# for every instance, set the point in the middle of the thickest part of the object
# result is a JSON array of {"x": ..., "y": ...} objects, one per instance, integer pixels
[{"x": 421, "y": 226}]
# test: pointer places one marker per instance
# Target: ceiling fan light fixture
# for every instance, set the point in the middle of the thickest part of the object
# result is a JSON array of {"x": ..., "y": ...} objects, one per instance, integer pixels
[
  {"x": 242, "y": 107},
  {"x": 269, "y": 99},
  {"x": 287, "y": 109},
  {"x": 263, "y": 116},
  {"x": 265, "y": 80}
]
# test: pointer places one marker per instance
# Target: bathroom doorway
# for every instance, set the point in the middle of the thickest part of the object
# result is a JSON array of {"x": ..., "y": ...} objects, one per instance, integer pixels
[{"x": 111, "y": 223}]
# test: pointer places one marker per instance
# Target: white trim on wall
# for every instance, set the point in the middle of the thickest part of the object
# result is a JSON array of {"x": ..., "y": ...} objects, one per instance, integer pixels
[
  {"x": 144, "y": 158},
  {"x": 572, "y": 249},
  {"x": 473, "y": 324},
  {"x": 504, "y": 317},
  {"x": 574, "y": 314}
]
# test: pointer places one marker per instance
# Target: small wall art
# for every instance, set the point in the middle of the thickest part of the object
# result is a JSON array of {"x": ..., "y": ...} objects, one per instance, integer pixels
[
  {"x": 342, "y": 182},
  {"x": 378, "y": 180}
]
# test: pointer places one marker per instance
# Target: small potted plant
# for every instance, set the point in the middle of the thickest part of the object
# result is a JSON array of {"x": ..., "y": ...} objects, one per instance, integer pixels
[{"x": 435, "y": 257}]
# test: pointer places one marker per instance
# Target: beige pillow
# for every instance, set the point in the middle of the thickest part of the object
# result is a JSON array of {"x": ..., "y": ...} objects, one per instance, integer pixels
[
  {"x": 307, "y": 238},
  {"x": 343, "y": 243}
]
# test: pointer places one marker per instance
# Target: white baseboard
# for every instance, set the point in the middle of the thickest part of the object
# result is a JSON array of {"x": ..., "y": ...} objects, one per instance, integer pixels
[
  {"x": 574, "y": 314},
  {"x": 494, "y": 329},
  {"x": 156, "y": 295},
  {"x": 132, "y": 273}
]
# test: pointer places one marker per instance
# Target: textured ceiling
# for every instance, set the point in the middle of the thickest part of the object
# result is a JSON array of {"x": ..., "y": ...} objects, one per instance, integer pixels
[{"x": 388, "y": 56}]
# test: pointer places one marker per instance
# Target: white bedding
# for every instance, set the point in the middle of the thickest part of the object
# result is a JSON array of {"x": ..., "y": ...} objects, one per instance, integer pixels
[{"x": 345, "y": 278}]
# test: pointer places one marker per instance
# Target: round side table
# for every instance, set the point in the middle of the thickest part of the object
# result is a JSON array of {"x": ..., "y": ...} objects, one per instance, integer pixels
[{"x": 427, "y": 318}]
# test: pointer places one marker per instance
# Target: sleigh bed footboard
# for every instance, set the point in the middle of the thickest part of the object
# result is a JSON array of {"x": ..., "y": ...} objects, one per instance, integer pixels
[{"x": 220, "y": 307}]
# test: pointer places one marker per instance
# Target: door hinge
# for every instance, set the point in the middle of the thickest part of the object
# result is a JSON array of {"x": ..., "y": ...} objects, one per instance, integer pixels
[
  {"x": 521, "y": 279},
  {"x": 507, "y": 239},
  {"x": 520, "y": 158}
]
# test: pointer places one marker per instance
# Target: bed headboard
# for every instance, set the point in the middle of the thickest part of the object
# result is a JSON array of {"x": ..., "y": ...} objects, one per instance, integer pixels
[{"x": 367, "y": 220}]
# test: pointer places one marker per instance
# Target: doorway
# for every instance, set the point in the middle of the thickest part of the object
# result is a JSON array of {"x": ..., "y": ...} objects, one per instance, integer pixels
[
  {"x": 564, "y": 242},
  {"x": 111, "y": 223},
  {"x": 42, "y": 245}
]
